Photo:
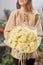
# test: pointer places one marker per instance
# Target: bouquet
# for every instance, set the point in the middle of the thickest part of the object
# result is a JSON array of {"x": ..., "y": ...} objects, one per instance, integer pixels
[{"x": 23, "y": 38}]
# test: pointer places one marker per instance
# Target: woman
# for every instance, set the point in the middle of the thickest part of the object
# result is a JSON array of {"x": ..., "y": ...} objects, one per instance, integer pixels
[{"x": 24, "y": 13}]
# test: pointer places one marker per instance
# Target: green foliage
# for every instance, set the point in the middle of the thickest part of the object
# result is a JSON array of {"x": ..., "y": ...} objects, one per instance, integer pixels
[
  {"x": 41, "y": 63},
  {"x": 7, "y": 58},
  {"x": 41, "y": 46},
  {"x": 2, "y": 23}
]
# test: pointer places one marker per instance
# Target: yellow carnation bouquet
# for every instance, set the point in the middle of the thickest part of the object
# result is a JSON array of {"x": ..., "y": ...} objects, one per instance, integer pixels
[{"x": 23, "y": 38}]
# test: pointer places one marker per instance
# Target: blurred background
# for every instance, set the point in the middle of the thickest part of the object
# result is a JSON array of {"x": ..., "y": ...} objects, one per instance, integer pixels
[
  {"x": 11, "y": 5},
  {"x": 6, "y": 6}
]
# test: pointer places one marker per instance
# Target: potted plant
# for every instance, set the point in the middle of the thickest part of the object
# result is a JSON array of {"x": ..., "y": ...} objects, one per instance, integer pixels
[{"x": 7, "y": 58}]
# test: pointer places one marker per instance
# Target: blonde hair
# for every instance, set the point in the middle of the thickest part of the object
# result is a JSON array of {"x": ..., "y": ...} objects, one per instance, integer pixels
[{"x": 28, "y": 3}]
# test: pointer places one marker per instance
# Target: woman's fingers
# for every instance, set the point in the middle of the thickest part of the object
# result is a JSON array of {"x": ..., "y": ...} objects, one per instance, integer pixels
[{"x": 40, "y": 34}]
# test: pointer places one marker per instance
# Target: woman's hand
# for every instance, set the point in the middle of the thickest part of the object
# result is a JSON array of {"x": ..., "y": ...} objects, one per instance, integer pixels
[{"x": 40, "y": 34}]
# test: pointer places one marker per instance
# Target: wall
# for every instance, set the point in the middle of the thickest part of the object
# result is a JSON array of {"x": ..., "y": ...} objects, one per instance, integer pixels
[{"x": 8, "y": 4}]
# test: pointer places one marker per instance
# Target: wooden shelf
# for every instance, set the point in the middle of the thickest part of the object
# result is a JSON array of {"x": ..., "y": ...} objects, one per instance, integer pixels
[{"x": 2, "y": 45}]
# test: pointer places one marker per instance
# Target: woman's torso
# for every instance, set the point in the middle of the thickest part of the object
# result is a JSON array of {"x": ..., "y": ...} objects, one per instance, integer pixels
[{"x": 28, "y": 17}]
